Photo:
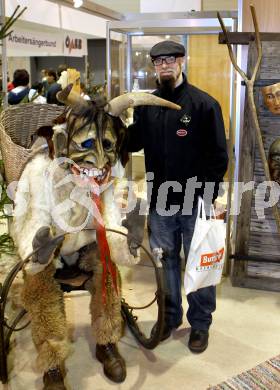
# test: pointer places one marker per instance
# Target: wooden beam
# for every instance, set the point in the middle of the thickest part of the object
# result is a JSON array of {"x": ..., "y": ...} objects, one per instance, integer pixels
[
  {"x": 93, "y": 8},
  {"x": 257, "y": 259},
  {"x": 259, "y": 283},
  {"x": 243, "y": 38},
  {"x": 264, "y": 82}
]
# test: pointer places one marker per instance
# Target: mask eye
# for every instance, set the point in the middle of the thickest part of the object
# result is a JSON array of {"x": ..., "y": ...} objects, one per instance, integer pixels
[
  {"x": 88, "y": 144},
  {"x": 107, "y": 145},
  {"x": 275, "y": 157}
]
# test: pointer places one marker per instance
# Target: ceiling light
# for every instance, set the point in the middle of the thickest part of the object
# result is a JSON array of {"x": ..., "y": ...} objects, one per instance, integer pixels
[{"x": 78, "y": 3}]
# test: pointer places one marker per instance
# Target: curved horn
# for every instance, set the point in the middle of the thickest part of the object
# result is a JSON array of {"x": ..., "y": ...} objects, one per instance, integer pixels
[
  {"x": 132, "y": 99},
  {"x": 70, "y": 97}
]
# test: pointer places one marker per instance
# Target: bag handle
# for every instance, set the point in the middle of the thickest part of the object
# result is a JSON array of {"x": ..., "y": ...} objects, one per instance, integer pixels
[
  {"x": 212, "y": 212},
  {"x": 201, "y": 209}
]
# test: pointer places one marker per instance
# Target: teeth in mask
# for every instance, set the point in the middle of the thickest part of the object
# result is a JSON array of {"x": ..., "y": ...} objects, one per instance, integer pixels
[{"x": 98, "y": 174}]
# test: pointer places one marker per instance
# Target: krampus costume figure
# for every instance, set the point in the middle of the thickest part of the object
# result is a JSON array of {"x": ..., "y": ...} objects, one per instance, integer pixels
[{"x": 67, "y": 187}]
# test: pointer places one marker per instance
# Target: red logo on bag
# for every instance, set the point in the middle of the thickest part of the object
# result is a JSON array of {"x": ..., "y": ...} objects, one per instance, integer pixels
[
  {"x": 209, "y": 259},
  {"x": 181, "y": 132}
]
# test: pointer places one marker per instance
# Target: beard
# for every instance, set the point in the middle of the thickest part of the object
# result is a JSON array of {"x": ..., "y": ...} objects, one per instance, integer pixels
[{"x": 166, "y": 86}]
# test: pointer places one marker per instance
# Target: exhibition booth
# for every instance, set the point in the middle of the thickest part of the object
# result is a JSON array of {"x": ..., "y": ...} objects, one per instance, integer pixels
[{"x": 56, "y": 35}]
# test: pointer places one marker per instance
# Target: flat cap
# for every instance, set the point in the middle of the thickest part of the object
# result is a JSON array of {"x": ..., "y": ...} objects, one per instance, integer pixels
[{"x": 167, "y": 48}]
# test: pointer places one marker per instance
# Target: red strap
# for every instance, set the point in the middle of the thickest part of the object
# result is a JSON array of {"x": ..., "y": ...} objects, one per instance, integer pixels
[{"x": 109, "y": 268}]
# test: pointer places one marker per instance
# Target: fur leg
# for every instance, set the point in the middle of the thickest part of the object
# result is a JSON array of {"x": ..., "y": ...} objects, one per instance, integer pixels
[
  {"x": 43, "y": 299},
  {"x": 106, "y": 318}
]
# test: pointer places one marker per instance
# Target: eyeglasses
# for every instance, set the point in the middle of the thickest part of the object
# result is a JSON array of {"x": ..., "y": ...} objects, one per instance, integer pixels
[{"x": 168, "y": 60}]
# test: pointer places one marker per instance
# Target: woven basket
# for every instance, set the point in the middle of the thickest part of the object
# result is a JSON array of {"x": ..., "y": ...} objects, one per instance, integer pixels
[{"x": 17, "y": 125}]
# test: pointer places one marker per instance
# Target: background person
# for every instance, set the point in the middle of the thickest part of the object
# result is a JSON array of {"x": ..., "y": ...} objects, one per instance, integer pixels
[
  {"x": 44, "y": 80},
  {"x": 84, "y": 92},
  {"x": 55, "y": 84},
  {"x": 44, "y": 74},
  {"x": 52, "y": 87},
  {"x": 179, "y": 145},
  {"x": 10, "y": 84},
  {"x": 36, "y": 93},
  {"x": 19, "y": 94}
]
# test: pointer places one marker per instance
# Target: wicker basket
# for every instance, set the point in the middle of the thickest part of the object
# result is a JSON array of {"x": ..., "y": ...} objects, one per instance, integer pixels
[{"x": 17, "y": 125}]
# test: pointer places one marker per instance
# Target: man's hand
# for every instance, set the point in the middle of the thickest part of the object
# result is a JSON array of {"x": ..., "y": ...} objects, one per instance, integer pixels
[
  {"x": 220, "y": 210},
  {"x": 44, "y": 240},
  {"x": 135, "y": 224}
]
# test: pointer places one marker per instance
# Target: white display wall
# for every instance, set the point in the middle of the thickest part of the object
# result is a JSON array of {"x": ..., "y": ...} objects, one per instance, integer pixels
[{"x": 170, "y": 5}]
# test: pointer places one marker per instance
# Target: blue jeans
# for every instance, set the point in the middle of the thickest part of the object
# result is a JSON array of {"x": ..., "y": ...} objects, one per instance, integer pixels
[{"x": 168, "y": 233}]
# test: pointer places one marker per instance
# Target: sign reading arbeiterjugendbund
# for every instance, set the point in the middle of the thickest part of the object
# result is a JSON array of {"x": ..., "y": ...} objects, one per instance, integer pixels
[
  {"x": 35, "y": 42},
  {"x": 23, "y": 42}
]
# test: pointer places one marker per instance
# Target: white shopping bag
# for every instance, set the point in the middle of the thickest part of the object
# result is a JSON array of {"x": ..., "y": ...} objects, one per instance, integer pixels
[{"x": 207, "y": 251}]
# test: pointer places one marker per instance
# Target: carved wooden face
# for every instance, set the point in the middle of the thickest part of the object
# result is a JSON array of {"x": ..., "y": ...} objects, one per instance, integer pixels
[
  {"x": 90, "y": 140},
  {"x": 274, "y": 160},
  {"x": 271, "y": 96}
]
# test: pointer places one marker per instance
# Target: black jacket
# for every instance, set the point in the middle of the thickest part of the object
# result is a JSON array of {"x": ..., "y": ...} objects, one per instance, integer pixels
[
  {"x": 51, "y": 94},
  {"x": 179, "y": 145}
]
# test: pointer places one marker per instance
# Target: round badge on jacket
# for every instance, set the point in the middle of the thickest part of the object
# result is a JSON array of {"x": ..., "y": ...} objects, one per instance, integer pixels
[{"x": 181, "y": 132}]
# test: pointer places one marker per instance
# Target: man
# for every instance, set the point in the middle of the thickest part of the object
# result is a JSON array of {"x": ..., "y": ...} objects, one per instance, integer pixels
[
  {"x": 55, "y": 85},
  {"x": 182, "y": 148}
]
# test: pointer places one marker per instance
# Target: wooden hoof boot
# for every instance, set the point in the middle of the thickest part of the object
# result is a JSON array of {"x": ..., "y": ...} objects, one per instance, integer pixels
[{"x": 113, "y": 364}]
